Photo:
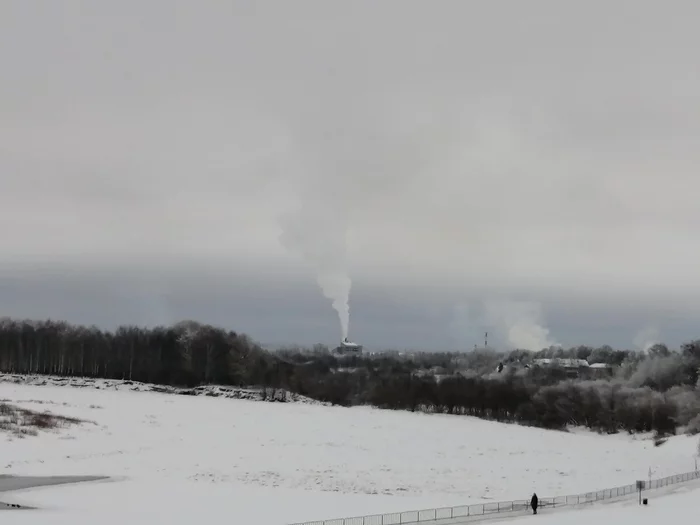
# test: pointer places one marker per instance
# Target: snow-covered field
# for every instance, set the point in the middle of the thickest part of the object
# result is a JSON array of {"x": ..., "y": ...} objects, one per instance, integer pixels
[{"x": 182, "y": 458}]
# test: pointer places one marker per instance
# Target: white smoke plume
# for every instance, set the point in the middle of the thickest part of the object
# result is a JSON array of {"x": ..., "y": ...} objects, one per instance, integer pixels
[
  {"x": 357, "y": 153},
  {"x": 646, "y": 338},
  {"x": 509, "y": 323},
  {"x": 352, "y": 160},
  {"x": 519, "y": 323},
  {"x": 317, "y": 231}
]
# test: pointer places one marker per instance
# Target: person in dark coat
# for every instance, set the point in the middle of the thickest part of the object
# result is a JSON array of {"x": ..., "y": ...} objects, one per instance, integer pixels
[{"x": 533, "y": 503}]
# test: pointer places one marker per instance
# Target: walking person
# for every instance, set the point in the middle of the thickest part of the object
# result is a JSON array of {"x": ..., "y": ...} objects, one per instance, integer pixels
[{"x": 533, "y": 503}]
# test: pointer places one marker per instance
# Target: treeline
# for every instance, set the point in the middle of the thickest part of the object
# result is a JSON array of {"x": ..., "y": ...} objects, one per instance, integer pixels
[
  {"x": 646, "y": 393},
  {"x": 186, "y": 354},
  {"x": 604, "y": 406},
  {"x": 652, "y": 391}
]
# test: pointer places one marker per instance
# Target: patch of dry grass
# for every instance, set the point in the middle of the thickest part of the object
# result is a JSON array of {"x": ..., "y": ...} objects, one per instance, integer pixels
[{"x": 22, "y": 422}]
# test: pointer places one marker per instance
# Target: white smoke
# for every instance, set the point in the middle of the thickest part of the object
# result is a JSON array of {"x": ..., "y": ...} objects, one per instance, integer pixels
[
  {"x": 521, "y": 321},
  {"x": 516, "y": 324},
  {"x": 317, "y": 231},
  {"x": 646, "y": 338},
  {"x": 354, "y": 155}
]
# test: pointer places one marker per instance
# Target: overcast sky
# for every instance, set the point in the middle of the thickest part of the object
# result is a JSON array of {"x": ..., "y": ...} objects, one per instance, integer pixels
[{"x": 526, "y": 168}]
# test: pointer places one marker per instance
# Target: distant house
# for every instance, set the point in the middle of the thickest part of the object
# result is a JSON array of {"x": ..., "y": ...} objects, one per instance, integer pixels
[
  {"x": 576, "y": 367},
  {"x": 601, "y": 370},
  {"x": 561, "y": 362},
  {"x": 573, "y": 367}
]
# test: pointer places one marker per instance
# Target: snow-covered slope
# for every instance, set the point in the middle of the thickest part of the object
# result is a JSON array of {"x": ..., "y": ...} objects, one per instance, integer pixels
[
  {"x": 275, "y": 463},
  {"x": 250, "y": 394}
]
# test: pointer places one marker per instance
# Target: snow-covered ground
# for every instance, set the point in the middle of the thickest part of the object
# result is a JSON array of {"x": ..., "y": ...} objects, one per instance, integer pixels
[{"x": 180, "y": 458}]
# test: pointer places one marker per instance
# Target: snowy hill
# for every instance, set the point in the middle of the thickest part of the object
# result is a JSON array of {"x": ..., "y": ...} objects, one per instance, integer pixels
[
  {"x": 250, "y": 394},
  {"x": 276, "y": 463}
]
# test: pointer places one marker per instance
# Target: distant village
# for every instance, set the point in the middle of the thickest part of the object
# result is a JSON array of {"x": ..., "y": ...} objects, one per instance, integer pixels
[
  {"x": 482, "y": 360},
  {"x": 572, "y": 368}
]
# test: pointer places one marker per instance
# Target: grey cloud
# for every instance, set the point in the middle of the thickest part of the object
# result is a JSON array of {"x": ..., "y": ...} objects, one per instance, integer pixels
[{"x": 534, "y": 153}]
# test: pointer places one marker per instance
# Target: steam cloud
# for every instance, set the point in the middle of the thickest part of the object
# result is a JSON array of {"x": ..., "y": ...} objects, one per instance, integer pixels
[
  {"x": 521, "y": 321},
  {"x": 356, "y": 154},
  {"x": 317, "y": 232},
  {"x": 518, "y": 324},
  {"x": 646, "y": 338},
  {"x": 352, "y": 160}
]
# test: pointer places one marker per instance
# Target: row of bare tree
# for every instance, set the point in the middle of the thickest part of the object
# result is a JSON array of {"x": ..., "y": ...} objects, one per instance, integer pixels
[
  {"x": 656, "y": 390},
  {"x": 184, "y": 354}
]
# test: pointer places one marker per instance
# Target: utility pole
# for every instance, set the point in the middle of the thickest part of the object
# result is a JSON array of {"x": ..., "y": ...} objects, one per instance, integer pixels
[{"x": 486, "y": 340}]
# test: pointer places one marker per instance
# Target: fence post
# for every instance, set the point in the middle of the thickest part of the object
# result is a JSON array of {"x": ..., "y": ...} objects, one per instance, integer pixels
[{"x": 640, "y": 487}]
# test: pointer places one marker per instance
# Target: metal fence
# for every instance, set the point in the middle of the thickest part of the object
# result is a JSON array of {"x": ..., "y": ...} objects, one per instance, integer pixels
[{"x": 485, "y": 509}]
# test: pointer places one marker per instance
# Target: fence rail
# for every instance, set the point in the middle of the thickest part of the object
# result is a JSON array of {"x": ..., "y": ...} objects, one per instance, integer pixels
[{"x": 485, "y": 509}]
